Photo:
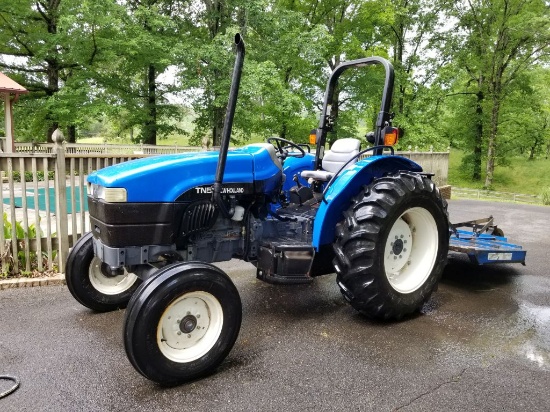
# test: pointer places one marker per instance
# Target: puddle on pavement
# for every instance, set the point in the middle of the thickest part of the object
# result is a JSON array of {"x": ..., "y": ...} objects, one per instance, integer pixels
[{"x": 476, "y": 318}]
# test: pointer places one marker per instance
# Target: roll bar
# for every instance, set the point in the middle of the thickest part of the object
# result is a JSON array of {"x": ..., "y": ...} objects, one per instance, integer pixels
[{"x": 384, "y": 116}]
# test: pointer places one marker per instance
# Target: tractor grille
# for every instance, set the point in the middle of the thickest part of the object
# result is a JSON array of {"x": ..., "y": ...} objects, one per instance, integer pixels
[{"x": 199, "y": 216}]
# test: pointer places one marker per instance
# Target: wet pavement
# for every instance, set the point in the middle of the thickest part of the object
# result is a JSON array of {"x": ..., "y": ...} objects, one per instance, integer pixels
[{"x": 481, "y": 343}]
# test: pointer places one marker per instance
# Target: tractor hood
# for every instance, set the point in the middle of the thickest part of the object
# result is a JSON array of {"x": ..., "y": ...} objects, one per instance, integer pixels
[{"x": 164, "y": 178}]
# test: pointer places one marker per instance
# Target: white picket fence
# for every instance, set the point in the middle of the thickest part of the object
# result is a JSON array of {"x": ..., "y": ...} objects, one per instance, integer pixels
[
  {"x": 458, "y": 192},
  {"x": 44, "y": 201}
]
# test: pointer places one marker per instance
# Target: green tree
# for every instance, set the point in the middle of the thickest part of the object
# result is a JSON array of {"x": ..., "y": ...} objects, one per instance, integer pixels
[
  {"x": 136, "y": 44},
  {"x": 35, "y": 47},
  {"x": 495, "y": 42},
  {"x": 353, "y": 28},
  {"x": 281, "y": 82}
]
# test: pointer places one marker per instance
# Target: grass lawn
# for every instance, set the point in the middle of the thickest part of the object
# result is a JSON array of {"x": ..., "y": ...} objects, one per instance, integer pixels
[
  {"x": 169, "y": 141},
  {"x": 519, "y": 176}
]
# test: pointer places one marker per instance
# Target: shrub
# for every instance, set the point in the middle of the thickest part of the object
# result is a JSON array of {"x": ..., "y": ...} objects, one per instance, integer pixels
[
  {"x": 8, "y": 269},
  {"x": 545, "y": 195},
  {"x": 28, "y": 176}
]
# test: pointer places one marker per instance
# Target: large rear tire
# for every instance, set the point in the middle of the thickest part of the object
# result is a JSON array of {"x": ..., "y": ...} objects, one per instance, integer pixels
[
  {"x": 90, "y": 286},
  {"x": 392, "y": 246},
  {"x": 182, "y": 323}
]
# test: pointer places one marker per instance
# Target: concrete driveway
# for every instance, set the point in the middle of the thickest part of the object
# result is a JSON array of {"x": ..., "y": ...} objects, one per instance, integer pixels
[{"x": 482, "y": 343}]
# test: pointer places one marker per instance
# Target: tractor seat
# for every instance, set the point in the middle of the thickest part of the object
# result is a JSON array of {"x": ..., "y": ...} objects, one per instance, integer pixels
[{"x": 341, "y": 151}]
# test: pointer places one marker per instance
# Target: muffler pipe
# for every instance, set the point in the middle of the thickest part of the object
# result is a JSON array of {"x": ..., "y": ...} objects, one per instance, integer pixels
[{"x": 227, "y": 126}]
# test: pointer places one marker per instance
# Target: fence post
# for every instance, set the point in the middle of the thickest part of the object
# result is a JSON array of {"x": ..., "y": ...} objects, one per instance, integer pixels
[{"x": 61, "y": 199}]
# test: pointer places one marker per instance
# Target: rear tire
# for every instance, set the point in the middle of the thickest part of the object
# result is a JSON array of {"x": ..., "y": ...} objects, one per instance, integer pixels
[
  {"x": 90, "y": 286},
  {"x": 392, "y": 247},
  {"x": 182, "y": 323}
]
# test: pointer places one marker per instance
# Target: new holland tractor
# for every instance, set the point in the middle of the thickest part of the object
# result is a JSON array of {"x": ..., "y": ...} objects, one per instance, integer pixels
[{"x": 158, "y": 224}]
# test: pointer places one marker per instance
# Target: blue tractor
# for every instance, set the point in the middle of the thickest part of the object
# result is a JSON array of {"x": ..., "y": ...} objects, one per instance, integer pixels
[{"x": 158, "y": 224}]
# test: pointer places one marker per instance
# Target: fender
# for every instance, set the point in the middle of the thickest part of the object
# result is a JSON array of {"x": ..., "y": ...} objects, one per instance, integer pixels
[{"x": 347, "y": 185}]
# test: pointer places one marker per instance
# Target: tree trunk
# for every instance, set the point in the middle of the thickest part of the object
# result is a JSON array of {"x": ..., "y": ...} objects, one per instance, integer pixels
[
  {"x": 283, "y": 132},
  {"x": 334, "y": 112},
  {"x": 53, "y": 87},
  {"x": 284, "y": 127},
  {"x": 399, "y": 65},
  {"x": 217, "y": 22},
  {"x": 150, "y": 127},
  {"x": 491, "y": 150},
  {"x": 476, "y": 175},
  {"x": 52, "y": 68},
  {"x": 71, "y": 134},
  {"x": 217, "y": 126}
]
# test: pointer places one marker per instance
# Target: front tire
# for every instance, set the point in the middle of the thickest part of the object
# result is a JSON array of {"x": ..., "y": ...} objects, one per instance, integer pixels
[
  {"x": 182, "y": 323},
  {"x": 90, "y": 286},
  {"x": 392, "y": 247}
]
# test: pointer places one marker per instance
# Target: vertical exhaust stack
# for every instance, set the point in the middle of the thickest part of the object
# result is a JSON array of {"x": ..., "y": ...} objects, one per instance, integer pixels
[{"x": 227, "y": 126}]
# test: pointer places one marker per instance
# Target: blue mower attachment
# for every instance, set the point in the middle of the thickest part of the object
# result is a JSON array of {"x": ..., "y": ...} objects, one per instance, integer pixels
[{"x": 485, "y": 243}]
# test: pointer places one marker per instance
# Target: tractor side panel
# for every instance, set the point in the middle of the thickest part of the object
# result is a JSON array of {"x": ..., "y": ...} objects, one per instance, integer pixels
[
  {"x": 295, "y": 165},
  {"x": 164, "y": 178},
  {"x": 347, "y": 185}
]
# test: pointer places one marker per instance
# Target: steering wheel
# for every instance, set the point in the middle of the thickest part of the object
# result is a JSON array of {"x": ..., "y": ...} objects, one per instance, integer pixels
[{"x": 282, "y": 146}]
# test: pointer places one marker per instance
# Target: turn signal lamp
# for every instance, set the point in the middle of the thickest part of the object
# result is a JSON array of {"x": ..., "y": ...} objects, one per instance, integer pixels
[
  {"x": 391, "y": 136},
  {"x": 313, "y": 136}
]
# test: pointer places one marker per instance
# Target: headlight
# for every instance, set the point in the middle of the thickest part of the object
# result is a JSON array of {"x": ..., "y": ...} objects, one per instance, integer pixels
[{"x": 109, "y": 194}]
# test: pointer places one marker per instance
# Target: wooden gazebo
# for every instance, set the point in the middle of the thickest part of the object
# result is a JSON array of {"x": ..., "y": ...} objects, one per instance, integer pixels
[{"x": 9, "y": 93}]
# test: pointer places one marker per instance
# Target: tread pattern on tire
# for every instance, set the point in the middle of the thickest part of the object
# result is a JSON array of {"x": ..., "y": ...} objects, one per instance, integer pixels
[
  {"x": 149, "y": 303},
  {"x": 359, "y": 237}
]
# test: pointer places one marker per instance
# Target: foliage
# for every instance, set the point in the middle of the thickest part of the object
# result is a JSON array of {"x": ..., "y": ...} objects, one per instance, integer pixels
[
  {"x": 493, "y": 47},
  {"x": 545, "y": 195},
  {"x": 519, "y": 176},
  {"x": 8, "y": 265},
  {"x": 472, "y": 75},
  {"x": 29, "y": 176}
]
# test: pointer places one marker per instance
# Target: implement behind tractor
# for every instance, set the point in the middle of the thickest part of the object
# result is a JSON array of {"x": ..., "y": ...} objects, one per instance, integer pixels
[{"x": 158, "y": 224}]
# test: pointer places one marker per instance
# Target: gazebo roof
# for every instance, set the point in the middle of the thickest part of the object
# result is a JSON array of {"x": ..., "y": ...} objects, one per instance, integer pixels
[{"x": 10, "y": 86}]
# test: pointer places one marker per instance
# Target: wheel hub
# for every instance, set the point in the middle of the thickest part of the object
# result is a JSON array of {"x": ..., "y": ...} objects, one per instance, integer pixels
[
  {"x": 397, "y": 247},
  {"x": 107, "y": 282},
  {"x": 188, "y": 324},
  {"x": 411, "y": 249},
  {"x": 110, "y": 272}
]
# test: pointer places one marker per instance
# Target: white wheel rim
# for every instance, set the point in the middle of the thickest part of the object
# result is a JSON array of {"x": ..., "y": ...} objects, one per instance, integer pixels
[
  {"x": 109, "y": 285},
  {"x": 411, "y": 250},
  {"x": 190, "y": 327}
]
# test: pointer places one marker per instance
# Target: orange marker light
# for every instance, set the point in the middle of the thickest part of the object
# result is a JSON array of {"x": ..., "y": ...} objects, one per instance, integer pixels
[
  {"x": 313, "y": 136},
  {"x": 391, "y": 136}
]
